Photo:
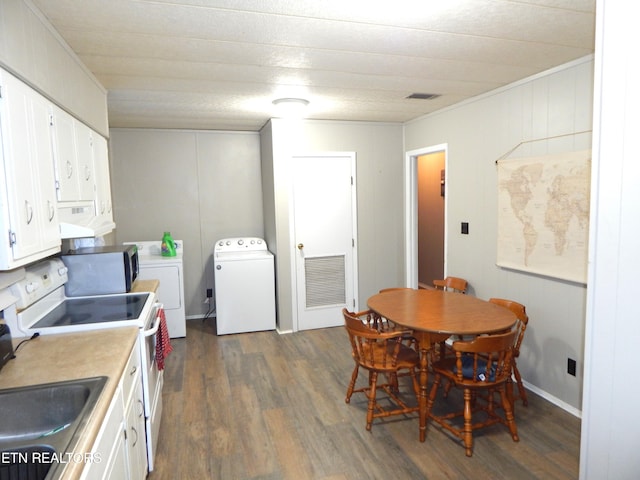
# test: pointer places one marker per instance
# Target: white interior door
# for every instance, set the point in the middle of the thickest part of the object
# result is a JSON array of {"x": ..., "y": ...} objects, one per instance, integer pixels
[{"x": 324, "y": 203}]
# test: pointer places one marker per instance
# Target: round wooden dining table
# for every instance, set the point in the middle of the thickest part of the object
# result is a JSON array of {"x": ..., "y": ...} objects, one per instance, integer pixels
[{"x": 435, "y": 315}]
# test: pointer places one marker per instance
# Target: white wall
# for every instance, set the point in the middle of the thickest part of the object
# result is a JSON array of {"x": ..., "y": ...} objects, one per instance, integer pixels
[
  {"x": 33, "y": 51},
  {"x": 199, "y": 185},
  {"x": 477, "y": 133},
  {"x": 610, "y": 427},
  {"x": 378, "y": 148}
]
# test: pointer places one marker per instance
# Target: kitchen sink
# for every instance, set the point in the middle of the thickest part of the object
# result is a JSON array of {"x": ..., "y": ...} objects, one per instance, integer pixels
[{"x": 41, "y": 423}]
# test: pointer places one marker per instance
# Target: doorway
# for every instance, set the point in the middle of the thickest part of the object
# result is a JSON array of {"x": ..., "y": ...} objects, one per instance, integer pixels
[
  {"x": 324, "y": 238},
  {"x": 434, "y": 154},
  {"x": 431, "y": 182}
]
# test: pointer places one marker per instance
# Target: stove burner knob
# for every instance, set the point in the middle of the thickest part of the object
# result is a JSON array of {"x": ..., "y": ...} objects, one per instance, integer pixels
[
  {"x": 240, "y": 242},
  {"x": 228, "y": 243}
]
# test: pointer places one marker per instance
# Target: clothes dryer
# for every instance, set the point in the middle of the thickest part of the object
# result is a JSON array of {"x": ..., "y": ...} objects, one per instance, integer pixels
[{"x": 170, "y": 272}]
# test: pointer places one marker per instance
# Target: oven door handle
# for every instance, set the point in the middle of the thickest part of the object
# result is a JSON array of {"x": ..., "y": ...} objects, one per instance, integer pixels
[{"x": 156, "y": 324}]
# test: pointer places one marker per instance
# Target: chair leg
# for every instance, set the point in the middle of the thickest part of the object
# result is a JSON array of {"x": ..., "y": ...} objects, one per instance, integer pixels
[
  {"x": 468, "y": 423},
  {"x": 352, "y": 384},
  {"x": 508, "y": 410},
  {"x": 446, "y": 389},
  {"x": 392, "y": 380},
  {"x": 416, "y": 384},
  {"x": 521, "y": 391},
  {"x": 433, "y": 393},
  {"x": 373, "y": 381}
]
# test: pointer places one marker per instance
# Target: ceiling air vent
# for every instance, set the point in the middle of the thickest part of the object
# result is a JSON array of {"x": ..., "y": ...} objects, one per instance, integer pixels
[{"x": 424, "y": 96}]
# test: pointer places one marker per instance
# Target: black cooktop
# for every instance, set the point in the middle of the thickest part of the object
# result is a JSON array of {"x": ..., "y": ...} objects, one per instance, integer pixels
[{"x": 81, "y": 310}]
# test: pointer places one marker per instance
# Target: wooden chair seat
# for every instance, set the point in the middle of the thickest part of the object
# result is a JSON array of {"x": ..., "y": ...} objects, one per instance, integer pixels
[
  {"x": 378, "y": 352},
  {"x": 382, "y": 357},
  {"x": 481, "y": 364}
]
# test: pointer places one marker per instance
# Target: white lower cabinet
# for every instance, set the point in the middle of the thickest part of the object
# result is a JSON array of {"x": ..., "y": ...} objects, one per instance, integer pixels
[
  {"x": 135, "y": 439},
  {"x": 108, "y": 454},
  {"x": 121, "y": 445}
]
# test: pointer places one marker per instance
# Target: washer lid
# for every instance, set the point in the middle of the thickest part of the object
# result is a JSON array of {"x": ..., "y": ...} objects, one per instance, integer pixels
[{"x": 240, "y": 244}]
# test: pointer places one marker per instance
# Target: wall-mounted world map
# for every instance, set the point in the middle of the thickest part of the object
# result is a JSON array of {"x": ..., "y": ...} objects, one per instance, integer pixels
[{"x": 543, "y": 214}]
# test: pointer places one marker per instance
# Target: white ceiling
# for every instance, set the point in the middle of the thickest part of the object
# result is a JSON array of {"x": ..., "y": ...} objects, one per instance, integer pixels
[{"x": 218, "y": 64}]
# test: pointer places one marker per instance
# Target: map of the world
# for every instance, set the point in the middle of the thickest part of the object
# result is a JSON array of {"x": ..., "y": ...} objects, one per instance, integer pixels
[{"x": 543, "y": 214}]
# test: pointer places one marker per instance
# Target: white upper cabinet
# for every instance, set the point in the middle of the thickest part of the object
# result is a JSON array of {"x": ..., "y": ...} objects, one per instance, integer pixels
[
  {"x": 82, "y": 178},
  {"x": 29, "y": 228},
  {"x": 73, "y": 157},
  {"x": 104, "y": 206},
  {"x": 84, "y": 158}
]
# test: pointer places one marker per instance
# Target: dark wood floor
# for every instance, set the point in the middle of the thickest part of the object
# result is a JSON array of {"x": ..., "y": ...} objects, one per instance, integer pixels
[{"x": 268, "y": 406}]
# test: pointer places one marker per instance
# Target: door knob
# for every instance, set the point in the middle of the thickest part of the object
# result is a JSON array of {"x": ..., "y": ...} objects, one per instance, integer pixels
[{"x": 300, "y": 246}]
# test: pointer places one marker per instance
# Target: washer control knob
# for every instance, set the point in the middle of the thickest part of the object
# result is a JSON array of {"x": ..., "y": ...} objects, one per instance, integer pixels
[{"x": 31, "y": 287}]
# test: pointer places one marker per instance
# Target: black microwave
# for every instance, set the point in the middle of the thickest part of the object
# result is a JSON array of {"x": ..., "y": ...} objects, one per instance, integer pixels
[{"x": 100, "y": 270}]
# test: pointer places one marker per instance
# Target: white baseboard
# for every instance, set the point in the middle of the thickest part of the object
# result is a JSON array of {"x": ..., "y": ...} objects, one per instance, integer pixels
[{"x": 556, "y": 401}]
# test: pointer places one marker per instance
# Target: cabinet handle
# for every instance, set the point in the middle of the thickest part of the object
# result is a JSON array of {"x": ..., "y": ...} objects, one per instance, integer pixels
[
  {"x": 133, "y": 429},
  {"x": 87, "y": 172},
  {"x": 69, "y": 169},
  {"x": 52, "y": 210},
  {"x": 134, "y": 369},
  {"x": 141, "y": 408},
  {"x": 29, "y": 211}
]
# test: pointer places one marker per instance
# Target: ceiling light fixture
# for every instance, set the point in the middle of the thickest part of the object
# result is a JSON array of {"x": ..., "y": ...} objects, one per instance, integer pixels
[{"x": 290, "y": 107}]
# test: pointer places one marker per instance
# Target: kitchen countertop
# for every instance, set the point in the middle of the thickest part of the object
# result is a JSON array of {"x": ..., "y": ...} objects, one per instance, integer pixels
[
  {"x": 53, "y": 358},
  {"x": 145, "y": 285}
]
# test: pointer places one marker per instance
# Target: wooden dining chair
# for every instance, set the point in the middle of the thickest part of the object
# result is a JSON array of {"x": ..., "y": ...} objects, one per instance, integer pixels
[
  {"x": 521, "y": 326},
  {"x": 483, "y": 363},
  {"x": 451, "y": 284},
  {"x": 380, "y": 352}
]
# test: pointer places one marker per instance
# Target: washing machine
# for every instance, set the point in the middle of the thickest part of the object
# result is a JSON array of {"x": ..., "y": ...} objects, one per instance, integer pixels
[{"x": 244, "y": 286}]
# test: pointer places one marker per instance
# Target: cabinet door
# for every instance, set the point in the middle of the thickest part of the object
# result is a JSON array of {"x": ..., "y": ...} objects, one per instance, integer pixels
[
  {"x": 84, "y": 155},
  {"x": 136, "y": 439},
  {"x": 104, "y": 207},
  {"x": 64, "y": 150},
  {"x": 29, "y": 219},
  {"x": 49, "y": 227},
  {"x": 73, "y": 155},
  {"x": 108, "y": 451},
  {"x": 117, "y": 467}
]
